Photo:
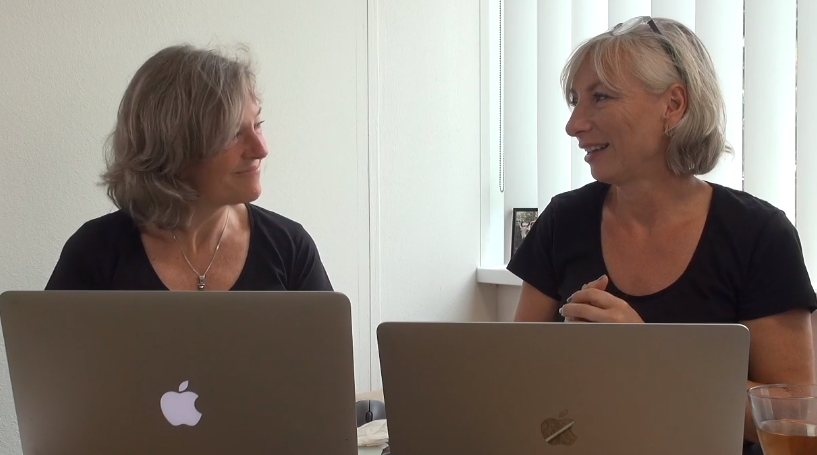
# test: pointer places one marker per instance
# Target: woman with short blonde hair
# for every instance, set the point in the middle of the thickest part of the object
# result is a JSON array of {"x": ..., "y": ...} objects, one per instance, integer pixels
[
  {"x": 649, "y": 241},
  {"x": 183, "y": 169},
  {"x": 698, "y": 140}
]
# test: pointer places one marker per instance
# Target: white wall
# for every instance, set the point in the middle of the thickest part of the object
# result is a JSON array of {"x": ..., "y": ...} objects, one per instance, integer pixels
[
  {"x": 427, "y": 127},
  {"x": 374, "y": 137}
]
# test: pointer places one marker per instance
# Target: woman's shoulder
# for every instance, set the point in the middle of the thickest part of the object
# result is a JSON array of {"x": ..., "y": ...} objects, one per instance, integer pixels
[
  {"x": 88, "y": 258},
  {"x": 584, "y": 202},
  {"x": 296, "y": 253},
  {"x": 108, "y": 227},
  {"x": 742, "y": 209},
  {"x": 748, "y": 222},
  {"x": 270, "y": 220},
  {"x": 277, "y": 228},
  {"x": 590, "y": 193},
  {"x": 742, "y": 200}
]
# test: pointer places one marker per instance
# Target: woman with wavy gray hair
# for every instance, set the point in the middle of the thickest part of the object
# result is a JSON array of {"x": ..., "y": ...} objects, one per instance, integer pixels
[
  {"x": 650, "y": 241},
  {"x": 183, "y": 169}
]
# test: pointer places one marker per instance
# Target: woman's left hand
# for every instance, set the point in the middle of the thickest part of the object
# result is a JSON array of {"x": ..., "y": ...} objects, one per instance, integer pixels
[{"x": 593, "y": 304}]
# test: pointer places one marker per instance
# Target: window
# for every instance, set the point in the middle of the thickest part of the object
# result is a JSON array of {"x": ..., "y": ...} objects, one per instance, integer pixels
[{"x": 759, "y": 54}]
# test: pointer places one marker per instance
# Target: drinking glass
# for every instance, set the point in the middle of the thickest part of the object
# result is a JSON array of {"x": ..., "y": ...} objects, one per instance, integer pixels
[{"x": 785, "y": 416}]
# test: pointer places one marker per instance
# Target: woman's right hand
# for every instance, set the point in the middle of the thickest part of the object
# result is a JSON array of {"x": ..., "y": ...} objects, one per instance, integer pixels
[{"x": 594, "y": 304}]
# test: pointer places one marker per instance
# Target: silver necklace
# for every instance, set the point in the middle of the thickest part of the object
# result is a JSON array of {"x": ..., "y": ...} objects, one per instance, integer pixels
[{"x": 203, "y": 276}]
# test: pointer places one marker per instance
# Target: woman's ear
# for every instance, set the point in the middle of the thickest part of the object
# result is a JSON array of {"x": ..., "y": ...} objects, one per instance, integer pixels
[{"x": 676, "y": 104}]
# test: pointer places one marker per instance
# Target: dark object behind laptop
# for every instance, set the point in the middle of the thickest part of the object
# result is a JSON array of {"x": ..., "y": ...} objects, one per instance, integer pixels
[{"x": 369, "y": 410}]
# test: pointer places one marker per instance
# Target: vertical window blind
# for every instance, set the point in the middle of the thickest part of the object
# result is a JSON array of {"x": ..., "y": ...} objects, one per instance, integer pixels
[{"x": 765, "y": 54}]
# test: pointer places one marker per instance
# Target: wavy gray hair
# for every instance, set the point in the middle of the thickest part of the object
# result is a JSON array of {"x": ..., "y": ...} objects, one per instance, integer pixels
[
  {"x": 698, "y": 140},
  {"x": 183, "y": 106}
]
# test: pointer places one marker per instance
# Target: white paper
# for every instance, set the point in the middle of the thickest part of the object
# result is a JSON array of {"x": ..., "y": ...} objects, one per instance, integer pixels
[{"x": 373, "y": 434}]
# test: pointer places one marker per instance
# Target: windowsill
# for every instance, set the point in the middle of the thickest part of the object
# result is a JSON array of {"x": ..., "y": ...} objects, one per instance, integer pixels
[{"x": 497, "y": 275}]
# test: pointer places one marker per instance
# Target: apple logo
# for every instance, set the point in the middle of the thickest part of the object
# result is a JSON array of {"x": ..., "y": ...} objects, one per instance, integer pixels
[
  {"x": 559, "y": 431},
  {"x": 179, "y": 408}
]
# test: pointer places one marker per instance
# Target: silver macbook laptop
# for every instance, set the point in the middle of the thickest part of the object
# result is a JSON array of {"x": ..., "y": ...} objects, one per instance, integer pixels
[
  {"x": 573, "y": 389},
  {"x": 181, "y": 372}
]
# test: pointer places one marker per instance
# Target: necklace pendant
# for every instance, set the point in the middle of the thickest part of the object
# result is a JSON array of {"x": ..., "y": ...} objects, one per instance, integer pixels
[{"x": 201, "y": 283}]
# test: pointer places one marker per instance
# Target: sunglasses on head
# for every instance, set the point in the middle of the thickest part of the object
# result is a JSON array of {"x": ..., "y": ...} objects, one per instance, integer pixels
[{"x": 629, "y": 25}]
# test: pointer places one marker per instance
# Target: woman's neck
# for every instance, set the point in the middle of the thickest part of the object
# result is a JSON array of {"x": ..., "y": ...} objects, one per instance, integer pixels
[
  {"x": 204, "y": 231},
  {"x": 655, "y": 201}
]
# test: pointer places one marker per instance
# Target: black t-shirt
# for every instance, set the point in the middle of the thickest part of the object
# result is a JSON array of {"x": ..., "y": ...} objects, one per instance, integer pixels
[
  {"x": 107, "y": 254},
  {"x": 748, "y": 263}
]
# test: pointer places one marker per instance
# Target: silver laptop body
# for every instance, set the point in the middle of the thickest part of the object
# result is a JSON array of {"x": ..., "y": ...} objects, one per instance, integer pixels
[
  {"x": 181, "y": 372},
  {"x": 556, "y": 388}
]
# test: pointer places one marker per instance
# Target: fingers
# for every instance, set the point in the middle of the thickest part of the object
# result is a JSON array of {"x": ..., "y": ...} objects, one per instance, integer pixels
[
  {"x": 592, "y": 303},
  {"x": 599, "y": 283},
  {"x": 595, "y": 297},
  {"x": 574, "y": 312}
]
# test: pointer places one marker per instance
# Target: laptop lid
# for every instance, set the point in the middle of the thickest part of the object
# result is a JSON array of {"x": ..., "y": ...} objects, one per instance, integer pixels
[
  {"x": 181, "y": 372},
  {"x": 555, "y": 388}
]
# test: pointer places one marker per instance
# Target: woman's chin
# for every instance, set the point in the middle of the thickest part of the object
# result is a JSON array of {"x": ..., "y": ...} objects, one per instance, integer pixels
[
  {"x": 245, "y": 195},
  {"x": 599, "y": 174},
  {"x": 252, "y": 194}
]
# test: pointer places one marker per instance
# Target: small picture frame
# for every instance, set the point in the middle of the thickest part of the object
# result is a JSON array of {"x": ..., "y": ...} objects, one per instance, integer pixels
[{"x": 521, "y": 223}]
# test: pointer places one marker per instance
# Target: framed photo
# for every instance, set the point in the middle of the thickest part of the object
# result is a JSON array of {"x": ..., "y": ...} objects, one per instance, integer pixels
[{"x": 521, "y": 224}]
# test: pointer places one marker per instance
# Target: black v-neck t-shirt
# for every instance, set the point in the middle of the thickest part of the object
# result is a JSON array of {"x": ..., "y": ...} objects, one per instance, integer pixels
[
  {"x": 748, "y": 263},
  {"x": 107, "y": 254}
]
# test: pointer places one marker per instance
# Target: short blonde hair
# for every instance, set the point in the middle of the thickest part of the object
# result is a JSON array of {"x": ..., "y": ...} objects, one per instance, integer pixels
[
  {"x": 658, "y": 61},
  {"x": 183, "y": 106}
]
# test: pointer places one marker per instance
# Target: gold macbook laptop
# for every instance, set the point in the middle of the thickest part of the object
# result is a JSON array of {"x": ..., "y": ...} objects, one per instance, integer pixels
[
  {"x": 181, "y": 372},
  {"x": 564, "y": 389}
]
